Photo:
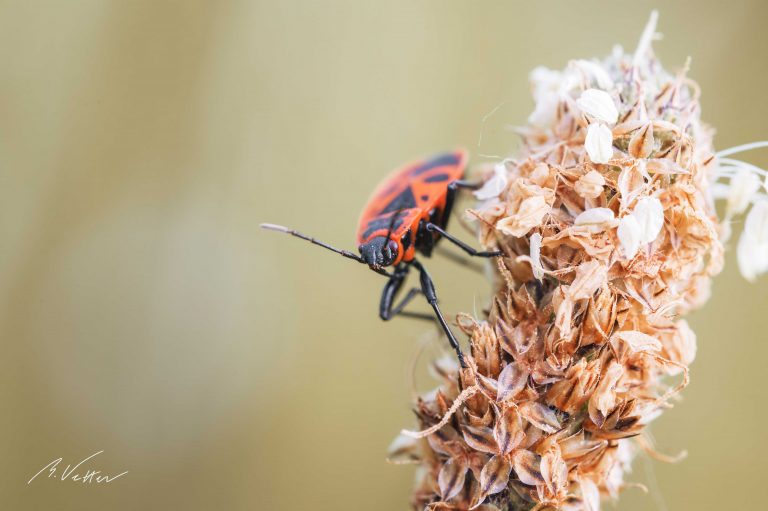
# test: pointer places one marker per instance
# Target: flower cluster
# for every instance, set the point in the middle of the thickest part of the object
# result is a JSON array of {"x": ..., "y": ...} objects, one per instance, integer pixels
[{"x": 608, "y": 226}]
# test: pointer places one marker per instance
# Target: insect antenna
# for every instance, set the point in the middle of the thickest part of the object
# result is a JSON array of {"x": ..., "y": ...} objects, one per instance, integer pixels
[{"x": 345, "y": 253}]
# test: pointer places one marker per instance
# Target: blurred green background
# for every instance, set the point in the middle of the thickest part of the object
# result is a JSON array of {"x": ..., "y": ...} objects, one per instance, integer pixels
[{"x": 145, "y": 314}]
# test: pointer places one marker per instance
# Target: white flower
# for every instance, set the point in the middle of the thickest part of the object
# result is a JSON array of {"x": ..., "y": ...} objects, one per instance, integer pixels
[
  {"x": 641, "y": 226},
  {"x": 599, "y": 105},
  {"x": 596, "y": 219},
  {"x": 625, "y": 453},
  {"x": 752, "y": 251},
  {"x": 535, "y": 242},
  {"x": 544, "y": 113},
  {"x": 756, "y": 224},
  {"x": 590, "y": 493},
  {"x": 742, "y": 189},
  {"x": 629, "y": 233},
  {"x": 599, "y": 143},
  {"x": 752, "y": 257},
  {"x": 544, "y": 80},
  {"x": 593, "y": 71},
  {"x": 495, "y": 185},
  {"x": 546, "y": 84},
  {"x": 649, "y": 214}
]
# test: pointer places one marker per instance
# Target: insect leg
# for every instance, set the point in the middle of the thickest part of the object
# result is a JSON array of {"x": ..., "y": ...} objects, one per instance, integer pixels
[
  {"x": 468, "y": 185},
  {"x": 387, "y": 309},
  {"x": 428, "y": 288},
  {"x": 463, "y": 261},
  {"x": 398, "y": 309},
  {"x": 466, "y": 248},
  {"x": 450, "y": 199}
]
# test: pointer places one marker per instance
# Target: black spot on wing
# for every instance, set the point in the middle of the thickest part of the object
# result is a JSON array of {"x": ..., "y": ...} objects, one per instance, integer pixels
[
  {"x": 404, "y": 200},
  {"x": 437, "y": 178},
  {"x": 425, "y": 197},
  {"x": 437, "y": 161}
]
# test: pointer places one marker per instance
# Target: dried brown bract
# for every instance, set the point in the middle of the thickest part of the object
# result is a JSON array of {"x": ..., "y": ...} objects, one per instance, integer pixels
[{"x": 607, "y": 222}]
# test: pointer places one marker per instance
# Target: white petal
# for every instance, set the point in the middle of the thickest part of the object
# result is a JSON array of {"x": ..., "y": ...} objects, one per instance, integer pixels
[
  {"x": 752, "y": 252},
  {"x": 544, "y": 80},
  {"x": 756, "y": 224},
  {"x": 719, "y": 190},
  {"x": 595, "y": 215},
  {"x": 599, "y": 143},
  {"x": 762, "y": 258},
  {"x": 598, "y": 104},
  {"x": 594, "y": 71},
  {"x": 629, "y": 235},
  {"x": 596, "y": 219},
  {"x": 495, "y": 185},
  {"x": 747, "y": 257},
  {"x": 687, "y": 342},
  {"x": 590, "y": 494},
  {"x": 545, "y": 112},
  {"x": 649, "y": 214},
  {"x": 617, "y": 53},
  {"x": 743, "y": 187},
  {"x": 535, "y": 242},
  {"x": 545, "y": 86}
]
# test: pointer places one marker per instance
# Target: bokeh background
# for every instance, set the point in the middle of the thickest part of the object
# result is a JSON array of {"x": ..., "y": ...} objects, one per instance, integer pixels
[{"x": 143, "y": 313}]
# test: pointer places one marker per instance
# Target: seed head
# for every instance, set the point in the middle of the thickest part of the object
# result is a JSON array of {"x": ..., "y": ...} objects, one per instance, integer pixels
[{"x": 607, "y": 221}]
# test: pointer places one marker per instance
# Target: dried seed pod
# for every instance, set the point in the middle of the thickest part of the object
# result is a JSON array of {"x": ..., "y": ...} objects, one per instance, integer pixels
[
  {"x": 607, "y": 222},
  {"x": 590, "y": 185},
  {"x": 641, "y": 143}
]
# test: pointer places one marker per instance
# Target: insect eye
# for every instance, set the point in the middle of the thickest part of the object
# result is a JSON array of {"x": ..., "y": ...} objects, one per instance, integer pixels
[{"x": 393, "y": 247}]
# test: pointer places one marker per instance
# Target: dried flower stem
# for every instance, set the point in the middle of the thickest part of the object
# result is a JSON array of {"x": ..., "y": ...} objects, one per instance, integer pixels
[{"x": 608, "y": 226}]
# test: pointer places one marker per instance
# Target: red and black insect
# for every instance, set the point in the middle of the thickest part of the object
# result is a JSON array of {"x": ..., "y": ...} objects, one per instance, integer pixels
[{"x": 408, "y": 213}]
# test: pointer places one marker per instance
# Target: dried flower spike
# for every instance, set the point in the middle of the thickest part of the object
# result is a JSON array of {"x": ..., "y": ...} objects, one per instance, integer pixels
[{"x": 608, "y": 224}]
